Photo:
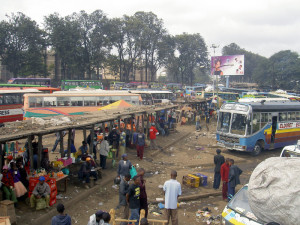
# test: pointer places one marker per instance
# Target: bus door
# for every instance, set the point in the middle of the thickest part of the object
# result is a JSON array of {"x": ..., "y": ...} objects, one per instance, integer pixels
[{"x": 274, "y": 127}]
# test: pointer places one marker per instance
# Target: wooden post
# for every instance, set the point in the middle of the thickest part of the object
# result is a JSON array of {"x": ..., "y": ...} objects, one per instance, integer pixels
[
  {"x": 131, "y": 123},
  {"x": 103, "y": 127},
  {"x": 1, "y": 155},
  {"x": 69, "y": 142},
  {"x": 61, "y": 144},
  {"x": 110, "y": 125},
  {"x": 40, "y": 150},
  {"x": 119, "y": 123},
  {"x": 29, "y": 140},
  {"x": 84, "y": 134},
  {"x": 137, "y": 126},
  {"x": 112, "y": 213},
  {"x": 92, "y": 139},
  {"x": 143, "y": 123},
  {"x": 147, "y": 128}
]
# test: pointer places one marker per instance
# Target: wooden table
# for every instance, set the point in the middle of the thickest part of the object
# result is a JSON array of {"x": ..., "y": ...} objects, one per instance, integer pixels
[{"x": 64, "y": 178}]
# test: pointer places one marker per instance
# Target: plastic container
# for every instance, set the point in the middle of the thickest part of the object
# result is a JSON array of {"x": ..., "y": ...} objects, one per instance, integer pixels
[{"x": 203, "y": 181}]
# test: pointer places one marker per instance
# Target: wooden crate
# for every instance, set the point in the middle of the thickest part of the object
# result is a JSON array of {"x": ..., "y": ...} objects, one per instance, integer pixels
[{"x": 191, "y": 180}]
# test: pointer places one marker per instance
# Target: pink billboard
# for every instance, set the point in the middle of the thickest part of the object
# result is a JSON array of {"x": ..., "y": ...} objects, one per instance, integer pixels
[{"x": 228, "y": 65}]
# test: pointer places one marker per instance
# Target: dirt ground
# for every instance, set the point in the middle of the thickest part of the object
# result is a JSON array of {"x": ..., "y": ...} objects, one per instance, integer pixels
[{"x": 187, "y": 152}]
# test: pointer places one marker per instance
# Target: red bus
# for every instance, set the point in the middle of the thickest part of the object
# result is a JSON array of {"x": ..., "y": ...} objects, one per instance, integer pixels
[{"x": 11, "y": 104}]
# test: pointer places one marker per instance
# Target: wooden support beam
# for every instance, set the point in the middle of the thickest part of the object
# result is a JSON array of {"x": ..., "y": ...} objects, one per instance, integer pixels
[
  {"x": 1, "y": 155},
  {"x": 147, "y": 128},
  {"x": 61, "y": 144},
  {"x": 137, "y": 126},
  {"x": 119, "y": 123},
  {"x": 30, "y": 150},
  {"x": 84, "y": 134},
  {"x": 131, "y": 123},
  {"x": 92, "y": 133},
  {"x": 40, "y": 150},
  {"x": 110, "y": 125},
  {"x": 143, "y": 123},
  {"x": 69, "y": 142}
]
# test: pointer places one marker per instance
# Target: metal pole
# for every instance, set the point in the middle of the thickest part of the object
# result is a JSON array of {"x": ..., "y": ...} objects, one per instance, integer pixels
[{"x": 62, "y": 153}]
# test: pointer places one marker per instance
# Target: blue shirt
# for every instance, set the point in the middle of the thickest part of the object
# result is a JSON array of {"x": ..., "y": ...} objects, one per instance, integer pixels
[{"x": 172, "y": 189}]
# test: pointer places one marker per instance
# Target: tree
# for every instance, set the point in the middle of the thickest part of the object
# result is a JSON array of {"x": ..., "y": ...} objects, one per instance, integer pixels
[
  {"x": 22, "y": 45},
  {"x": 192, "y": 53}
]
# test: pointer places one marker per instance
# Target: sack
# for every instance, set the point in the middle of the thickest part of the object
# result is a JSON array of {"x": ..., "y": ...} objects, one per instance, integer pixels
[
  {"x": 110, "y": 155},
  {"x": 273, "y": 190},
  {"x": 40, "y": 203},
  {"x": 133, "y": 172}
]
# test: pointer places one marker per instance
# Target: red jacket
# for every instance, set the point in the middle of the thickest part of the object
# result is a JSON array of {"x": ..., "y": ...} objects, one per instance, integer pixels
[
  {"x": 152, "y": 132},
  {"x": 8, "y": 179},
  {"x": 224, "y": 172}
]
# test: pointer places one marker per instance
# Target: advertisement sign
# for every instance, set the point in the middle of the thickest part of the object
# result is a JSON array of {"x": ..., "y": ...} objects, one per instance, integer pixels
[
  {"x": 288, "y": 125},
  {"x": 228, "y": 65}
]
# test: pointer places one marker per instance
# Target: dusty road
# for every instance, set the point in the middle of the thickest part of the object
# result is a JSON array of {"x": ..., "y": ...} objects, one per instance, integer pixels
[{"x": 191, "y": 154}]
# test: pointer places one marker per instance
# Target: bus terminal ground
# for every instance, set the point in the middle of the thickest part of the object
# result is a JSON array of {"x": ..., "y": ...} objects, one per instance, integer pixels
[{"x": 186, "y": 151}]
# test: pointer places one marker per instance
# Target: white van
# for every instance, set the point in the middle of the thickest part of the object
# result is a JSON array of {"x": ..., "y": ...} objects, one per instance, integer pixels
[
  {"x": 238, "y": 211},
  {"x": 291, "y": 150}
]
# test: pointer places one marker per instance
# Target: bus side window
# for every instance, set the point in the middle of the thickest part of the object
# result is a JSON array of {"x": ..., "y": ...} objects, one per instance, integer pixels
[
  {"x": 297, "y": 115},
  {"x": 1, "y": 100},
  {"x": 293, "y": 116},
  {"x": 282, "y": 117},
  {"x": 256, "y": 122}
]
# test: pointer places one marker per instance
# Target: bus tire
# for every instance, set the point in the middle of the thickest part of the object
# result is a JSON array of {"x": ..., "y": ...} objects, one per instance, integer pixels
[{"x": 257, "y": 149}]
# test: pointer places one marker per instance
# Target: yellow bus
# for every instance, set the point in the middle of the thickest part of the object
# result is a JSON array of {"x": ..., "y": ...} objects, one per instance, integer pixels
[{"x": 71, "y": 103}]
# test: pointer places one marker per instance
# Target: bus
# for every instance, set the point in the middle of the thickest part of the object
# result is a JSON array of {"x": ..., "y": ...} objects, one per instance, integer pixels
[
  {"x": 147, "y": 98},
  {"x": 70, "y": 84},
  {"x": 32, "y": 81},
  {"x": 25, "y": 87},
  {"x": 160, "y": 96},
  {"x": 226, "y": 96},
  {"x": 190, "y": 89},
  {"x": 240, "y": 91},
  {"x": 11, "y": 104},
  {"x": 174, "y": 86},
  {"x": 116, "y": 85},
  {"x": 70, "y": 103},
  {"x": 255, "y": 126}
]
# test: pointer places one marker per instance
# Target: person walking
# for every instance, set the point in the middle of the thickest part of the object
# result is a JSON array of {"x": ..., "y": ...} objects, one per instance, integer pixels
[
  {"x": 61, "y": 218},
  {"x": 124, "y": 166},
  {"x": 143, "y": 195},
  {"x": 233, "y": 178},
  {"x": 198, "y": 119},
  {"x": 152, "y": 135},
  {"x": 123, "y": 190},
  {"x": 58, "y": 138},
  {"x": 133, "y": 199},
  {"x": 224, "y": 171},
  {"x": 140, "y": 144},
  {"x": 104, "y": 149},
  {"x": 218, "y": 161},
  {"x": 207, "y": 120},
  {"x": 122, "y": 142},
  {"x": 172, "y": 189}
]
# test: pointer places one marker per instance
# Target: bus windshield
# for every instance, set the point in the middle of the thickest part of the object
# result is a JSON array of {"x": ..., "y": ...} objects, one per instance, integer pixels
[
  {"x": 224, "y": 122},
  {"x": 238, "y": 125}
]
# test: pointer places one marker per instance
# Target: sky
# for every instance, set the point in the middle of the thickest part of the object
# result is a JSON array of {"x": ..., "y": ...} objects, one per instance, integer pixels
[{"x": 264, "y": 27}]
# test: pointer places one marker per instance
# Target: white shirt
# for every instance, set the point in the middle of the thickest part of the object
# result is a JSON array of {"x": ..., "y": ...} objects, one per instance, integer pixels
[{"x": 172, "y": 190}]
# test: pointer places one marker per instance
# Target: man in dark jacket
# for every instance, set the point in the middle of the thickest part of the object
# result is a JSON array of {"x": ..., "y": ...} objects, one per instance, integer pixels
[
  {"x": 233, "y": 178},
  {"x": 61, "y": 218},
  {"x": 218, "y": 161}
]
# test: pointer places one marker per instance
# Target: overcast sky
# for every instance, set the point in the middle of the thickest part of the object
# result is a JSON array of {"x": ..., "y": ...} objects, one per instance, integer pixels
[{"x": 260, "y": 26}]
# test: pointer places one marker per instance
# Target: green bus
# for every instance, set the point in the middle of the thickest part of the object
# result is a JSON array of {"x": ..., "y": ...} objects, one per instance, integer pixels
[{"x": 69, "y": 84}]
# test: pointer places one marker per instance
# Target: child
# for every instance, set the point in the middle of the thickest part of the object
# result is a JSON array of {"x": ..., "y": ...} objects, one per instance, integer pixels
[
  {"x": 104, "y": 149},
  {"x": 106, "y": 218}
]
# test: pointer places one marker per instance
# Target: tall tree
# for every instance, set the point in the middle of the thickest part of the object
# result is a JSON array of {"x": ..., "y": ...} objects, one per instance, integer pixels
[{"x": 22, "y": 44}]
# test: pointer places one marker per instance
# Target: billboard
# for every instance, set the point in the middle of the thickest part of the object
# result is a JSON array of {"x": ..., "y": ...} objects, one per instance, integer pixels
[{"x": 227, "y": 65}]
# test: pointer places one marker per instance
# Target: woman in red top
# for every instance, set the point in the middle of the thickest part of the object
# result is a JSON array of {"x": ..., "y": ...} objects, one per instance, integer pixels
[
  {"x": 224, "y": 171},
  {"x": 152, "y": 135},
  {"x": 8, "y": 185}
]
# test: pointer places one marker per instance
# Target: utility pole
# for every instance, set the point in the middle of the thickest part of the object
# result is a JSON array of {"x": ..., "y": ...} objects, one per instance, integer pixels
[{"x": 217, "y": 77}]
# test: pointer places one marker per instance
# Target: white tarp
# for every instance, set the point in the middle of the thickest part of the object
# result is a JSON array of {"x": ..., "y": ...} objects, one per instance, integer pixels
[{"x": 274, "y": 190}]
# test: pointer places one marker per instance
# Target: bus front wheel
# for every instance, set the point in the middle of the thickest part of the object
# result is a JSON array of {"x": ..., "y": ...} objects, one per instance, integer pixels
[{"x": 257, "y": 149}]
